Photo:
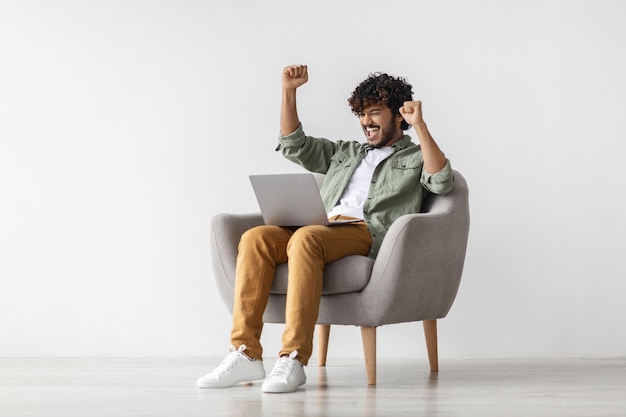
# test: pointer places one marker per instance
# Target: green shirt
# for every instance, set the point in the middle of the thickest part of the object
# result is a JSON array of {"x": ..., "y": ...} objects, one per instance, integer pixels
[{"x": 397, "y": 186}]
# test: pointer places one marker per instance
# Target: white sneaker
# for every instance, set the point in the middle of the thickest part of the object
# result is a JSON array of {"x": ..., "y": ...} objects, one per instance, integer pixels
[
  {"x": 287, "y": 375},
  {"x": 235, "y": 368}
]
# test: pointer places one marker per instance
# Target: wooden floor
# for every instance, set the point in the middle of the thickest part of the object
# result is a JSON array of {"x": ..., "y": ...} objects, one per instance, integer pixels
[{"x": 166, "y": 387}]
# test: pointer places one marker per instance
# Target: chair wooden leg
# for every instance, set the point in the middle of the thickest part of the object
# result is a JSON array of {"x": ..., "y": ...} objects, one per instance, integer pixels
[
  {"x": 430, "y": 331},
  {"x": 322, "y": 341},
  {"x": 368, "y": 334}
]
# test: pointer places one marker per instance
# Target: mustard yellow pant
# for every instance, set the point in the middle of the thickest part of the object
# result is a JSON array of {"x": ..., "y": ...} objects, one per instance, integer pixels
[{"x": 306, "y": 249}]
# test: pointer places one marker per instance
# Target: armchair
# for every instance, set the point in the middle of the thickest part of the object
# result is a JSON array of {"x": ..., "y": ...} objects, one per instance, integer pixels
[{"x": 415, "y": 277}]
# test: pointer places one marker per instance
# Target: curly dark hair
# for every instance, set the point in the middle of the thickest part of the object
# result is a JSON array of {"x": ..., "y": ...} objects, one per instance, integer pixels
[{"x": 381, "y": 88}]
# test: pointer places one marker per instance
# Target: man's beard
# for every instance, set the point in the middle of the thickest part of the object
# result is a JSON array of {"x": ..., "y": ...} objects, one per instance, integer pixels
[{"x": 388, "y": 135}]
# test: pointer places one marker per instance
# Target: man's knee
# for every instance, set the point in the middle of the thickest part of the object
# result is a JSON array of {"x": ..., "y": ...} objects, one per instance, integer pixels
[
  {"x": 252, "y": 235},
  {"x": 306, "y": 239}
]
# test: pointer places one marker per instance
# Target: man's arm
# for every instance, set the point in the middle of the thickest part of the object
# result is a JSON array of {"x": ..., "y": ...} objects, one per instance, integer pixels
[
  {"x": 434, "y": 158},
  {"x": 293, "y": 77}
]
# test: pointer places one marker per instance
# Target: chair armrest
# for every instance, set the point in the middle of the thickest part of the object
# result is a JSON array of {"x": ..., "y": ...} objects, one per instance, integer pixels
[
  {"x": 418, "y": 269},
  {"x": 226, "y": 230}
]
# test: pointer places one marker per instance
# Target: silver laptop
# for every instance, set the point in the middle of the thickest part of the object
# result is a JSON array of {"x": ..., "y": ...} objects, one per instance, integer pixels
[{"x": 291, "y": 200}]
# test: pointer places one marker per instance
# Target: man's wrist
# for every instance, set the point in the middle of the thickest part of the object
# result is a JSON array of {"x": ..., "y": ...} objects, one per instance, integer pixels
[{"x": 421, "y": 125}]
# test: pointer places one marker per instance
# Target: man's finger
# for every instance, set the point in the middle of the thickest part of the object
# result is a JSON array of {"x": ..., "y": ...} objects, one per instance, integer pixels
[
  {"x": 406, "y": 109},
  {"x": 296, "y": 71}
]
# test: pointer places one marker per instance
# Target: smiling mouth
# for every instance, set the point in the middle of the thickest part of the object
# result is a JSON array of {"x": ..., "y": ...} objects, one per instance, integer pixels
[{"x": 371, "y": 131}]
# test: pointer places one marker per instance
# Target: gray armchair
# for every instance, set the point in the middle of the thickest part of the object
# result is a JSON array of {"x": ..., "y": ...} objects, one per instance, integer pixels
[{"x": 414, "y": 278}]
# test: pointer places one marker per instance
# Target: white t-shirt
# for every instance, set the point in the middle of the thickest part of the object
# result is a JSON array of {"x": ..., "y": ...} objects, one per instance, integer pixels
[{"x": 354, "y": 195}]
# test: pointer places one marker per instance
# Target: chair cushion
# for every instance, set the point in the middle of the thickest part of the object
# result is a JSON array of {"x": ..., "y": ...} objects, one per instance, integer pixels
[{"x": 349, "y": 274}]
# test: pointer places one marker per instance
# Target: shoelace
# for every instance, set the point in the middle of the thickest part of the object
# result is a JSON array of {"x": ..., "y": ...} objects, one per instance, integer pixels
[
  {"x": 285, "y": 366},
  {"x": 230, "y": 360}
]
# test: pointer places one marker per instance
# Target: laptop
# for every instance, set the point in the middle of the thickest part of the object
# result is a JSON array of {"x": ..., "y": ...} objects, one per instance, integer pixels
[{"x": 291, "y": 200}]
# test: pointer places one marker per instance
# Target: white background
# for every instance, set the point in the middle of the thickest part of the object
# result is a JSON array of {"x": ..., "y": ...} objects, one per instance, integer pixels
[{"x": 126, "y": 125}]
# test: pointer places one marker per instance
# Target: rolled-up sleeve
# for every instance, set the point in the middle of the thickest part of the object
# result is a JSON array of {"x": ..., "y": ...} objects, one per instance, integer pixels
[
  {"x": 441, "y": 182},
  {"x": 295, "y": 139}
]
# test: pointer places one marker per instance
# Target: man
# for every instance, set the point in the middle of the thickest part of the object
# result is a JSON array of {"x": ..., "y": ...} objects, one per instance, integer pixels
[{"x": 373, "y": 182}]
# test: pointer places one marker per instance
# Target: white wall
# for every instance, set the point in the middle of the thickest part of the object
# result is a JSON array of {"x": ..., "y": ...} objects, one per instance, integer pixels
[{"x": 126, "y": 125}]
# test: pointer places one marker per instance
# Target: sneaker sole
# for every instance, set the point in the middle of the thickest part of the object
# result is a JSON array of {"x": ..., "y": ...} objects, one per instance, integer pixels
[
  {"x": 280, "y": 389},
  {"x": 222, "y": 384}
]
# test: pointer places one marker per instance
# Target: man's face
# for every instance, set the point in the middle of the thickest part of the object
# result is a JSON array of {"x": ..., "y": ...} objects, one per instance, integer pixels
[{"x": 380, "y": 126}]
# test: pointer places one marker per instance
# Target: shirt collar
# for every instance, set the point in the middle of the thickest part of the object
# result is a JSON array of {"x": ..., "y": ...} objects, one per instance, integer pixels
[{"x": 403, "y": 143}]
